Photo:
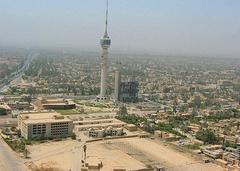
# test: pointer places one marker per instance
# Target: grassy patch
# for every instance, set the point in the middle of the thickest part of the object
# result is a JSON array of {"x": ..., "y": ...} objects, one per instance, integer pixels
[
  {"x": 67, "y": 111},
  {"x": 17, "y": 145},
  {"x": 194, "y": 146}
]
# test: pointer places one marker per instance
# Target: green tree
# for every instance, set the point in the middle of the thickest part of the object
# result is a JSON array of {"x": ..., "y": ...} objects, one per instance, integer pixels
[
  {"x": 3, "y": 111},
  {"x": 207, "y": 136},
  {"x": 197, "y": 101},
  {"x": 27, "y": 99},
  {"x": 122, "y": 110},
  {"x": 74, "y": 136}
]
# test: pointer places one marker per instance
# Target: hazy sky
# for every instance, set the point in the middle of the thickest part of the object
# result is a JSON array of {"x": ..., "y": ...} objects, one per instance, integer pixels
[{"x": 186, "y": 27}]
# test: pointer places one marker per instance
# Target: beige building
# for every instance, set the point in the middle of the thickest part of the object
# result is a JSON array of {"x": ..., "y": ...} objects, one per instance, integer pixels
[
  {"x": 109, "y": 131},
  {"x": 85, "y": 125},
  {"x": 44, "y": 125},
  {"x": 131, "y": 127},
  {"x": 213, "y": 151},
  {"x": 54, "y": 103}
]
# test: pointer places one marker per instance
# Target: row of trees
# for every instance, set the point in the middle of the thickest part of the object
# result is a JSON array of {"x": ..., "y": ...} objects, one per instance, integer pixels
[
  {"x": 226, "y": 114},
  {"x": 148, "y": 126}
]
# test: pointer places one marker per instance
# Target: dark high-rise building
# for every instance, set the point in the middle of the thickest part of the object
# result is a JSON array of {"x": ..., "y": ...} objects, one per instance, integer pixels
[{"x": 128, "y": 91}]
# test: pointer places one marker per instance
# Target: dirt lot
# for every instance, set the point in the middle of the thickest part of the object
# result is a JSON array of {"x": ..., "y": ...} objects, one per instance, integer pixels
[
  {"x": 131, "y": 153},
  {"x": 172, "y": 159}
]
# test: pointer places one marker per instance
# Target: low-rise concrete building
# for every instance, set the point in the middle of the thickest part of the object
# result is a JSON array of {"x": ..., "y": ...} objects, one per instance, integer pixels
[
  {"x": 85, "y": 125},
  {"x": 213, "y": 151},
  {"x": 19, "y": 105},
  {"x": 44, "y": 125},
  {"x": 100, "y": 133},
  {"x": 131, "y": 127},
  {"x": 54, "y": 103}
]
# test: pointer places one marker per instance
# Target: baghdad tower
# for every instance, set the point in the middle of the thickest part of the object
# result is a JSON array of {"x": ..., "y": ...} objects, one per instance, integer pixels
[{"x": 105, "y": 44}]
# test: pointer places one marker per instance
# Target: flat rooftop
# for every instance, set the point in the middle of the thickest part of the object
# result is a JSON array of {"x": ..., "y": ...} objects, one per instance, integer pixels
[
  {"x": 43, "y": 117},
  {"x": 39, "y": 115},
  {"x": 104, "y": 125},
  {"x": 95, "y": 121},
  {"x": 56, "y": 104},
  {"x": 49, "y": 120}
]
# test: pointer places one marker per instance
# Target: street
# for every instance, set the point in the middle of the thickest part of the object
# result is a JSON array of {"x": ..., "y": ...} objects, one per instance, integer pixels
[
  {"x": 9, "y": 161},
  {"x": 17, "y": 75}
]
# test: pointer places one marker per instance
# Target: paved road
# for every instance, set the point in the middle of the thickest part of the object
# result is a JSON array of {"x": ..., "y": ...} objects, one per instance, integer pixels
[
  {"x": 9, "y": 161},
  {"x": 19, "y": 73}
]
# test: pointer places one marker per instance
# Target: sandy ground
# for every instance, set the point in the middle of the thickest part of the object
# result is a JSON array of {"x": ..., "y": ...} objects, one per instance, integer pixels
[
  {"x": 171, "y": 158},
  {"x": 68, "y": 154},
  {"x": 131, "y": 153},
  {"x": 58, "y": 155},
  {"x": 113, "y": 158}
]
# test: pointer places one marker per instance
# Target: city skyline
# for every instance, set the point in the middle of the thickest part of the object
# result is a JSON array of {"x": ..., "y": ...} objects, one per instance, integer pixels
[
  {"x": 159, "y": 27},
  {"x": 120, "y": 85}
]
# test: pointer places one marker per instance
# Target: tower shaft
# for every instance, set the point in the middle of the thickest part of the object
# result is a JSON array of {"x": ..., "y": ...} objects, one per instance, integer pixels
[
  {"x": 104, "y": 69},
  {"x": 105, "y": 44}
]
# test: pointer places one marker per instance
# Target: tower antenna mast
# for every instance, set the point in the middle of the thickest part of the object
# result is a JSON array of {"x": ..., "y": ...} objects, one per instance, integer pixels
[{"x": 106, "y": 22}]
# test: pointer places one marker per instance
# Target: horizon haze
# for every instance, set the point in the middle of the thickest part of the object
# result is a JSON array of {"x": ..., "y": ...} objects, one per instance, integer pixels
[{"x": 197, "y": 28}]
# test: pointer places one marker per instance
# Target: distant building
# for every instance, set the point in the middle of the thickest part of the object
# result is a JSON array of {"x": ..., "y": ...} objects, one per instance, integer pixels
[
  {"x": 225, "y": 84},
  {"x": 117, "y": 83},
  {"x": 97, "y": 124},
  {"x": 212, "y": 151},
  {"x": 131, "y": 127},
  {"x": 128, "y": 91},
  {"x": 16, "y": 105},
  {"x": 54, "y": 103},
  {"x": 44, "y": 125},
  {"x": 109, "y": 131},
  {"x": 238, "y": 151},
  {"x": 13, "y": 98},
  {"x": 17, "y": 102}
]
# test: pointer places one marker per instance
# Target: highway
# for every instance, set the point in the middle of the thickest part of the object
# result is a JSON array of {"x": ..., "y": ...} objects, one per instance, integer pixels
[
  {"x": 9, "y": 161},
  {"x": 18, "y": 74}
]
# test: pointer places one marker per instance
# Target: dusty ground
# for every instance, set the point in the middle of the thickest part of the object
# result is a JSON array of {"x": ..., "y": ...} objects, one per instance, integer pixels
[
  {"x": 67, "y": 155},
  {"x": 55, "y": 154},
  {"x": 172, "y": 159},
  {"x": 131, "y": 153},
  {"x": 113, "y": 157}
]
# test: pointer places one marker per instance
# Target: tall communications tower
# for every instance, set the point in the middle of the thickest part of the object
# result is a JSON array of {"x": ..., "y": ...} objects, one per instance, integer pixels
[{"x": 105, "y": 44}]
